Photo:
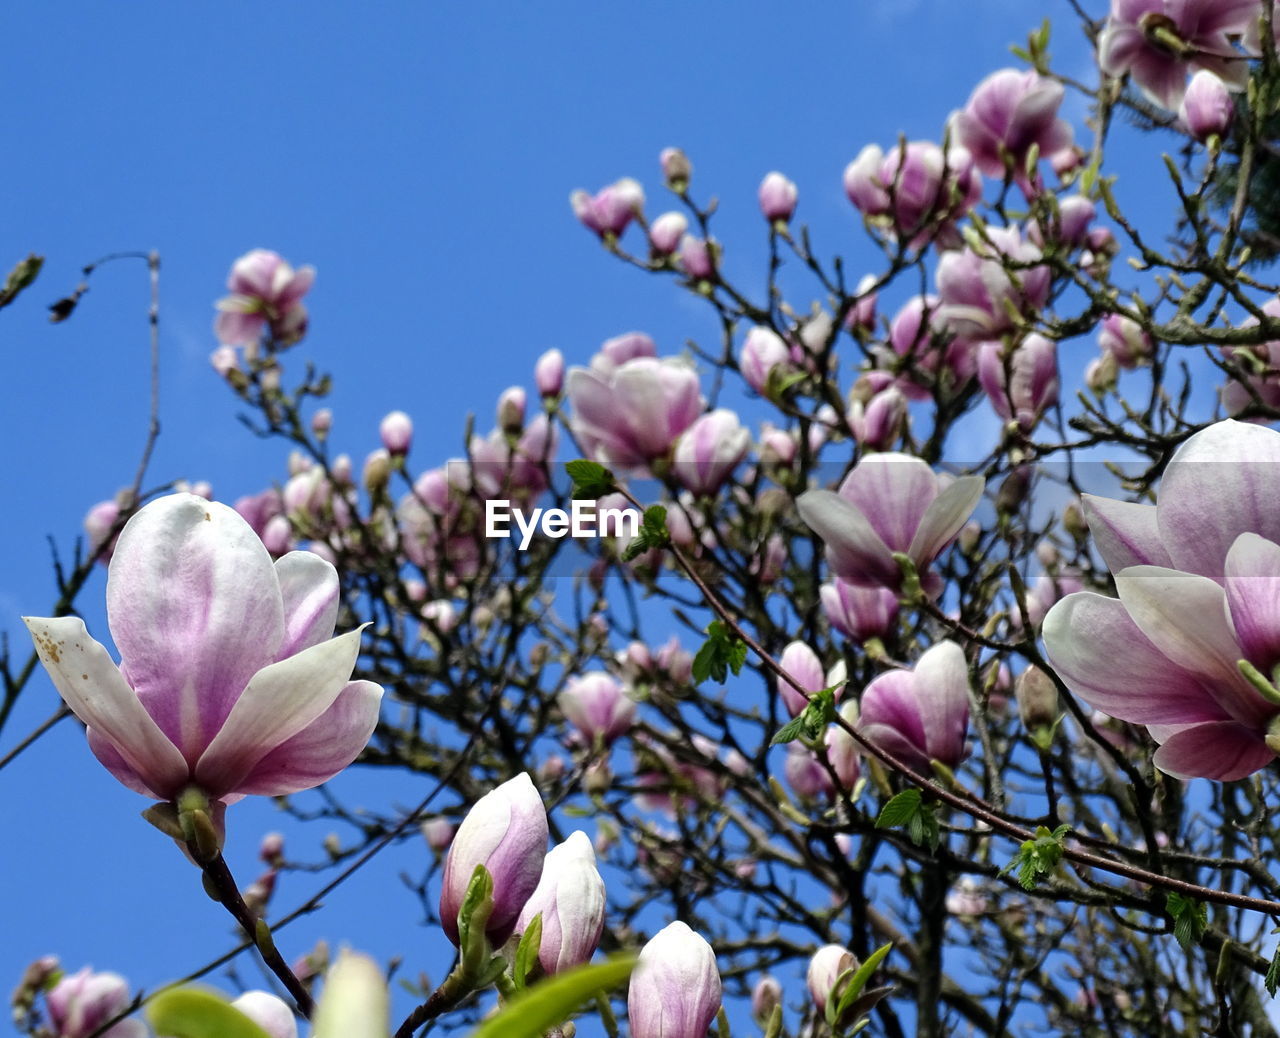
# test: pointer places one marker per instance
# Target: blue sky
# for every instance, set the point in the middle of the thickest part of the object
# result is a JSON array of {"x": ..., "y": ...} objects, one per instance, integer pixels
[{"x": 421, "y": 157}]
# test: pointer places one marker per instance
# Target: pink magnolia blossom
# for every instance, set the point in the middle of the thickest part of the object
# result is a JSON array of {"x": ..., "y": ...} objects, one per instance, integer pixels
[
  {"x": 1125, "y": 340},
  {"x": 807, "y": 676},
  {"x": 675, "y": 989},
  {"x": 635, "y": 414},
  {"x": 858, "y": 612},
  {"x": 698, "y": 257},
  {"x": 879, "y": 422},
  {"x": 597, "y": 706},
  {"x": 570, "y": 898},
  {"x": 805, "y": 774},
  {"x": 80, "y": 1003},
  {"x": 548, "y": 373},
  {"x": 396, "y": 432},
  {"x": 266, "y": 294},
  {"x": 1008, "y": 114},
  {"x": 763, "y": 352},
  {"x": 615, "y": 352},
  {"x": 979, "y": 284},
  {"x": 1198, "y": 575},
  {"x": 778, "y": 197},
  {"x": 676, "y": 168},
  {"x": 915, "y": 188},
  {"x": 1261, "y": 367},
  {"x": 890, "y": 503},
  {"x": 828, "y": 965},
  {"x": 230, "y": 678},
  {"x": 922, "y": 714},
  {"x": 1158, "y": 42},
  {"x": 666, "y": 233},
  {"x": 506, "y": 832},
  {"x": 1023, "y": 384},
  {"x": 611, "y": 209},
  {"x": 1207, "y": 107},
  {"x": 709, "y": 450}
]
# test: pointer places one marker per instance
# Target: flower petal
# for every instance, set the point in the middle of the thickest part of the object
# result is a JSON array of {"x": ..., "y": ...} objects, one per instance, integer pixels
[
  {"x": 1126, "y": 534},
  {"x": 1185, "y": 617},
  {"x": 1100, "y": 653},
  {"x": 1222, "y": 482},
  {"x": 1220, "y": 750},
  {"x": 944, "y": 518},
  {"x": 95, "y": 690},
  {"x": 893, "y": 491},
  {"x": 322, "y": 749},
  {"x": 109, "y": 757},
  {"x": 279, "y": 702},
  {"x": 855, "y": 551},
  {"x": 942, "y": 700},
  {"x": 309, "y": 588},
  {"x": 194, "y": 607},
  {"x": 1253, "y": 598}
]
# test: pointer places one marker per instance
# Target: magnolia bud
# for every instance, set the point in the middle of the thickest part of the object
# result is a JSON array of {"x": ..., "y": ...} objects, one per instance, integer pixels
[
  {"x": 764, "y": 996},
  {"x": 1207, "y": 108},
  {"x": 570, "y": 898},
  {"x": 777, "y": 197},
  {"x": 271, "y": 849},
  {"x": 675, "y": 989},
  {"x": 355, "y": 1002},
  {"x": 1037, "y": 704},
  {"x": 666, "y": 231},
  {"x": 506, "y": 831},
  {"x": 548, "y": 374},
  {"x": 321, "y": 423},
  {"x": 676, "y": 168},
  {"x": 377, "y": 471},
  {"x": 511, "y": 407},
  {"x": 825, "y": 969}
]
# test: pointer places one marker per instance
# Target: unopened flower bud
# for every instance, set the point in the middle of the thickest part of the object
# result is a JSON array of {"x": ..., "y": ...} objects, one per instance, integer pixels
[
  {"x": 1207, "y": 108},
  {"x": 778, "y": 197},
  {"x": 377, "y": 471},
  {"x": 826, "y": 967},
  {"x": 396, "y": 431},
  {"x": 321, "y": 423},
  {"x": 676, "y": 169},
  {"x": 1037, "y": 702},
  {"x": 698, "y": 257},
  {"x": 675, "y": 989},
  {"x": 548, "y": 374},
  {"x": 438, "y": 832},
  {"x": 1102, "y": 373},
  {"x": 511, "y": 407},
  {"x": 271, "y": 848},
  {"x": 764, "y": 996},
  {"x": 666, "y": 231},
  {"x": 570, "y": 898},
  {"x": 355, "y": 1002},
  {"x": 1013, "y": 491}
]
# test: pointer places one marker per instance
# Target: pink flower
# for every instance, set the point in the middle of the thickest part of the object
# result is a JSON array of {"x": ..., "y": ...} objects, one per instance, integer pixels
[
  {"x": 828, "y": 965},
  {"x": 635, "y": 414},
  {"x": 709, "y": 450},
  {"x": 396, "y": 431},
  {"x": 570, "y": 898},
  {"x": 698, "y": 257},
  {"x": 1198, "y": 575},
  {"x": 1207, "y": 108},
  {"x": 230, "y": 679},
  {"x": 858, "y": 612},
  {"x": 1158, "y": 42},
  {"x": 778, "y": 198},
  {"x": 675, "y": 989},
  {"x": 506, "y": 832},
  {"x": 1261, "y": 366},
  {"x": 666, "y": 232},
  {"x": 1022, "y": 385},
  {"x": 763, "y": 351},
  {"x": 802, "y": 663},
  {"x": 1007, "y": 114},
  {"x": 266, "y": 294},
  {"x": 548, "y": 373},
  {"x": 80, "y": 1003},
  {"x": 979, "y": 287},
  {"x": 921, "y": 714},
  {"x": 917, "y": 190},
  {"x": 879, "y": 422},
  {"x": 890, "y": 503},
  {"x": 615, "y": 352},
  {"x": 1126, "y": 341},
  {"x": 597, "y": 706},
  {"x": 611, "y": 209}
]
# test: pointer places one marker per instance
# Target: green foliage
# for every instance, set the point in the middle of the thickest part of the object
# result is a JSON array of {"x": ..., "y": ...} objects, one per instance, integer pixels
[
  {"x": 552, "y": 1001},
  {"x": 590, "y": 479},
  {"x": 19, "y": 278},
  {"x": 812, "y": 721},
  {"x": 854, "y": 1001},
  {"x": 1038, "y": 857},
  {"x": 1272, "y": 979},
  {"x": 195, "y": 1013},
  {"x": 723, "y": 651},
  {"x": 527, "y": 951},
  {"x": 1190, "y": 920},
  {"x": 653, "y": 534},
  {"x": 909, "y": 810}
]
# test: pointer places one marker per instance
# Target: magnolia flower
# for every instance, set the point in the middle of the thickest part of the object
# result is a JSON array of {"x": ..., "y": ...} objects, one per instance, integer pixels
[
  {"x": 1021, "y": 384},
  {"x": 920, "y": 715},
  {"x": 506, "y": 832},
  {"x": 596, "y": 705},
  {"x": 570, "y": 899},
  {"x": 913, "y": 187},
  {"x": 1198, "y": 574},
  {"x": 266, "y": 293},
  {"x": 1207, "y": 107},
  {"x": 1158, "y": 42},
  {"x": 230, "y": 679},
  {"x": 80, "y": 1003},
  {"x": 1008, "y": 113},
  {"x": 675, "y": 989},
  {"x": 609, "y": 210},
  {"x": 978, "y": 291},
  {"x": 890, "y": 503},
  {"x": 777, "y": 197},
  {"x": 633, "y": 415},
  {"x": 709, "y": 450},
  {"x": 828, "y": 965}
]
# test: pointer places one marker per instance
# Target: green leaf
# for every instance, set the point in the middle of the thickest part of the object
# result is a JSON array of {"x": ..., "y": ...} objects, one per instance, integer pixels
[
  {"x": 196, "y": 1013},
  {"x": 1272, "y": 979},
  {"x": 1190, "y": 920},
  {"x": 653, "y": 533},
  {"x": 789, "y": 732},
  {"x": 591, "y": 480},
  {"x": 551, "y": 1002},
  {"x": 860, "y": 977},
  {"x": 811, "y": 723},
  {"x": 527, "y": 950},
  {"x": 1038, "y": 857},
  {"x": 722, "y": 652},
  {"x": 899, "y": 810}
]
